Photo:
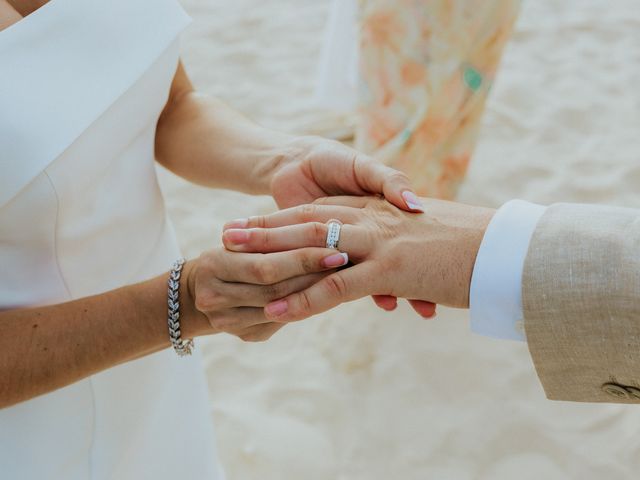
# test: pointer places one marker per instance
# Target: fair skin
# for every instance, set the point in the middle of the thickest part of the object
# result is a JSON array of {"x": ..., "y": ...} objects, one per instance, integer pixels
[
  {"x": 206, "y": 142},
  {"x": 428, "y": 257}
]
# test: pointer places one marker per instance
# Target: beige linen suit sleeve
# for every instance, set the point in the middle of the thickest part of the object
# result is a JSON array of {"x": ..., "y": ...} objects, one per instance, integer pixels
[{"x": 581, "y": 302}]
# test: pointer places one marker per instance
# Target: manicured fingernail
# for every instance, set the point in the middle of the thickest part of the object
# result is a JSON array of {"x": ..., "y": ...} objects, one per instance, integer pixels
[
  {"x": 237, "y": 237},
  {"x": 412, "y": 201},
  {"x": 335, "y": 260},
  {"x": 277, "y": 308},
  {"x": 237, "y": 223}
]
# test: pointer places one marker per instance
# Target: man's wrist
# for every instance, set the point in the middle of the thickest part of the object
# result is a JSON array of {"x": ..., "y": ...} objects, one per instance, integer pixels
[
  {"x": 453, "y": 235},
  {"x": 479, "y": 223}
]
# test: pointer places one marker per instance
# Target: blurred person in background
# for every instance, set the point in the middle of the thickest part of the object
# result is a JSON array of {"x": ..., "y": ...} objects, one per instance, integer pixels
[{"x": 418, "y": 73}]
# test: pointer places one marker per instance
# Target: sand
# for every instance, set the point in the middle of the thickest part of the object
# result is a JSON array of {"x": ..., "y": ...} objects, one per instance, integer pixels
[{"x": 360, "y": 394}]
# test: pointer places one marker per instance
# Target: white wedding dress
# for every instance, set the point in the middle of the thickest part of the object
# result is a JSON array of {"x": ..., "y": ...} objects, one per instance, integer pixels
[{"x": 82, "y": 83}]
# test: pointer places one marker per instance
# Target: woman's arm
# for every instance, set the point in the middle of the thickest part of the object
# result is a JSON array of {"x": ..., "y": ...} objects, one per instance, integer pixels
[
  {"x": 203, "y": 140},
  {"x": 46, "y": 348}
]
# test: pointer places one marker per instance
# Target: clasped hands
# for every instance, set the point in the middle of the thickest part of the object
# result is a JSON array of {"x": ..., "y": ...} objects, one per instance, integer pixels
[{"x": 276, "y": 269}]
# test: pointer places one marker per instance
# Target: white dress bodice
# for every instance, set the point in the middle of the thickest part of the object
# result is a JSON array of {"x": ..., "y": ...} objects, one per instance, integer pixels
[{"x": 82, "y": 84}]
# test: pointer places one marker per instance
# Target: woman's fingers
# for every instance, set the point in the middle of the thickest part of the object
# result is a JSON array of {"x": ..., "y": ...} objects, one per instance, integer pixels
[
  {"x": 300, "y": 214},
  {"x": 353, "y": 239},
  {"x": 226, "y": 295},
  {"x": 343, "y": 286},
  {"x": 394, "y": 185},
  {"x": 237, "y": 320},
  {"x": 271, "y": 268},
  {"x": 249, "y": 324},
  {"x": 260, "y": 333}
]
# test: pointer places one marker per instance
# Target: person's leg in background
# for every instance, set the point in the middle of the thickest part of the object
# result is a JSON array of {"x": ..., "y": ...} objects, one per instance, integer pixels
[{"x": 426, "y": 68}]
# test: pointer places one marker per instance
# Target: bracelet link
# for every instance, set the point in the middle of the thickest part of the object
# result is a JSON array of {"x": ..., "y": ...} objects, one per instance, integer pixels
[{"x": 182, "y": 346}]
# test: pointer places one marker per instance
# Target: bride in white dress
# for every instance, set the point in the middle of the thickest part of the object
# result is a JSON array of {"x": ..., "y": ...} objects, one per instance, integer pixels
[{"x": 91, "y": 95}]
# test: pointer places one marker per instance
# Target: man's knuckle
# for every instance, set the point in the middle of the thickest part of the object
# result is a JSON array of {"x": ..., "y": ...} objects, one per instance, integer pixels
[{"x": 265, "y": 272}]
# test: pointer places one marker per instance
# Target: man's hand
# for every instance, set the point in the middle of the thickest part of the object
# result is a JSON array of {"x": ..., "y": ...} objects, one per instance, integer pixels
[{"x": 424, "y": 257}]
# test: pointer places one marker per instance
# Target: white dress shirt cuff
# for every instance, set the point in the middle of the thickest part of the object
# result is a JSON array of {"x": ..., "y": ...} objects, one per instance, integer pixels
[{"x": 495, "y": 297}]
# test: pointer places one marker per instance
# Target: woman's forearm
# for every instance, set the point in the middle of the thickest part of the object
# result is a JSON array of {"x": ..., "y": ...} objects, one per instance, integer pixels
[
  {"x": 43, "y": 349},
  {"x": 205, "y": 141}
]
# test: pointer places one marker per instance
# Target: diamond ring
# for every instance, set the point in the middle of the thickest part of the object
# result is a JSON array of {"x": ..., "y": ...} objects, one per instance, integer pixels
[{"x": 333, "y": 234}]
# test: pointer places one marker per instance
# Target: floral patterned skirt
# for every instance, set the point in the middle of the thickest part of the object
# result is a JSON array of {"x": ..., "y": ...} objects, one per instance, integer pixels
[{"x": 427, "y": 67}]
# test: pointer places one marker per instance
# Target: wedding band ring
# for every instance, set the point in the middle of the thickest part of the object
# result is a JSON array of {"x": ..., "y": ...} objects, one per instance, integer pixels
[{"x": 333, "y": 234}]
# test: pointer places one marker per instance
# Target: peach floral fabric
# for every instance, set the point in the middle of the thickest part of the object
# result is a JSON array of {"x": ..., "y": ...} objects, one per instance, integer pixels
[{"x": 427, "y": 67}]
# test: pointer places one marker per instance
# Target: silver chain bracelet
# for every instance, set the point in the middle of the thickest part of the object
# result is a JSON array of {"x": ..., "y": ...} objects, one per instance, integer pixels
[{"x": 182, "y": 347}]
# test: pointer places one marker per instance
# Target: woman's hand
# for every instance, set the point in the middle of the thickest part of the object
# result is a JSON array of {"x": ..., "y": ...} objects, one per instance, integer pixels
[
  {"x": 315, "y": 167},
  {"x": 428, "y": 257},
  {"x": 229, "y": 290}
]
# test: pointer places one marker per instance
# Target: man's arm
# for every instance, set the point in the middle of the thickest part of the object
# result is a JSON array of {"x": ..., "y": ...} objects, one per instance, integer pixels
[
  {"x": 572, "y": 274},
  {"x": 581, "y": 300}
]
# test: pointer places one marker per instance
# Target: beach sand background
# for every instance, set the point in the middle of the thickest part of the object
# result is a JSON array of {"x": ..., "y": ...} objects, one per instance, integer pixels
[{"x": 361, "y": 394}]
